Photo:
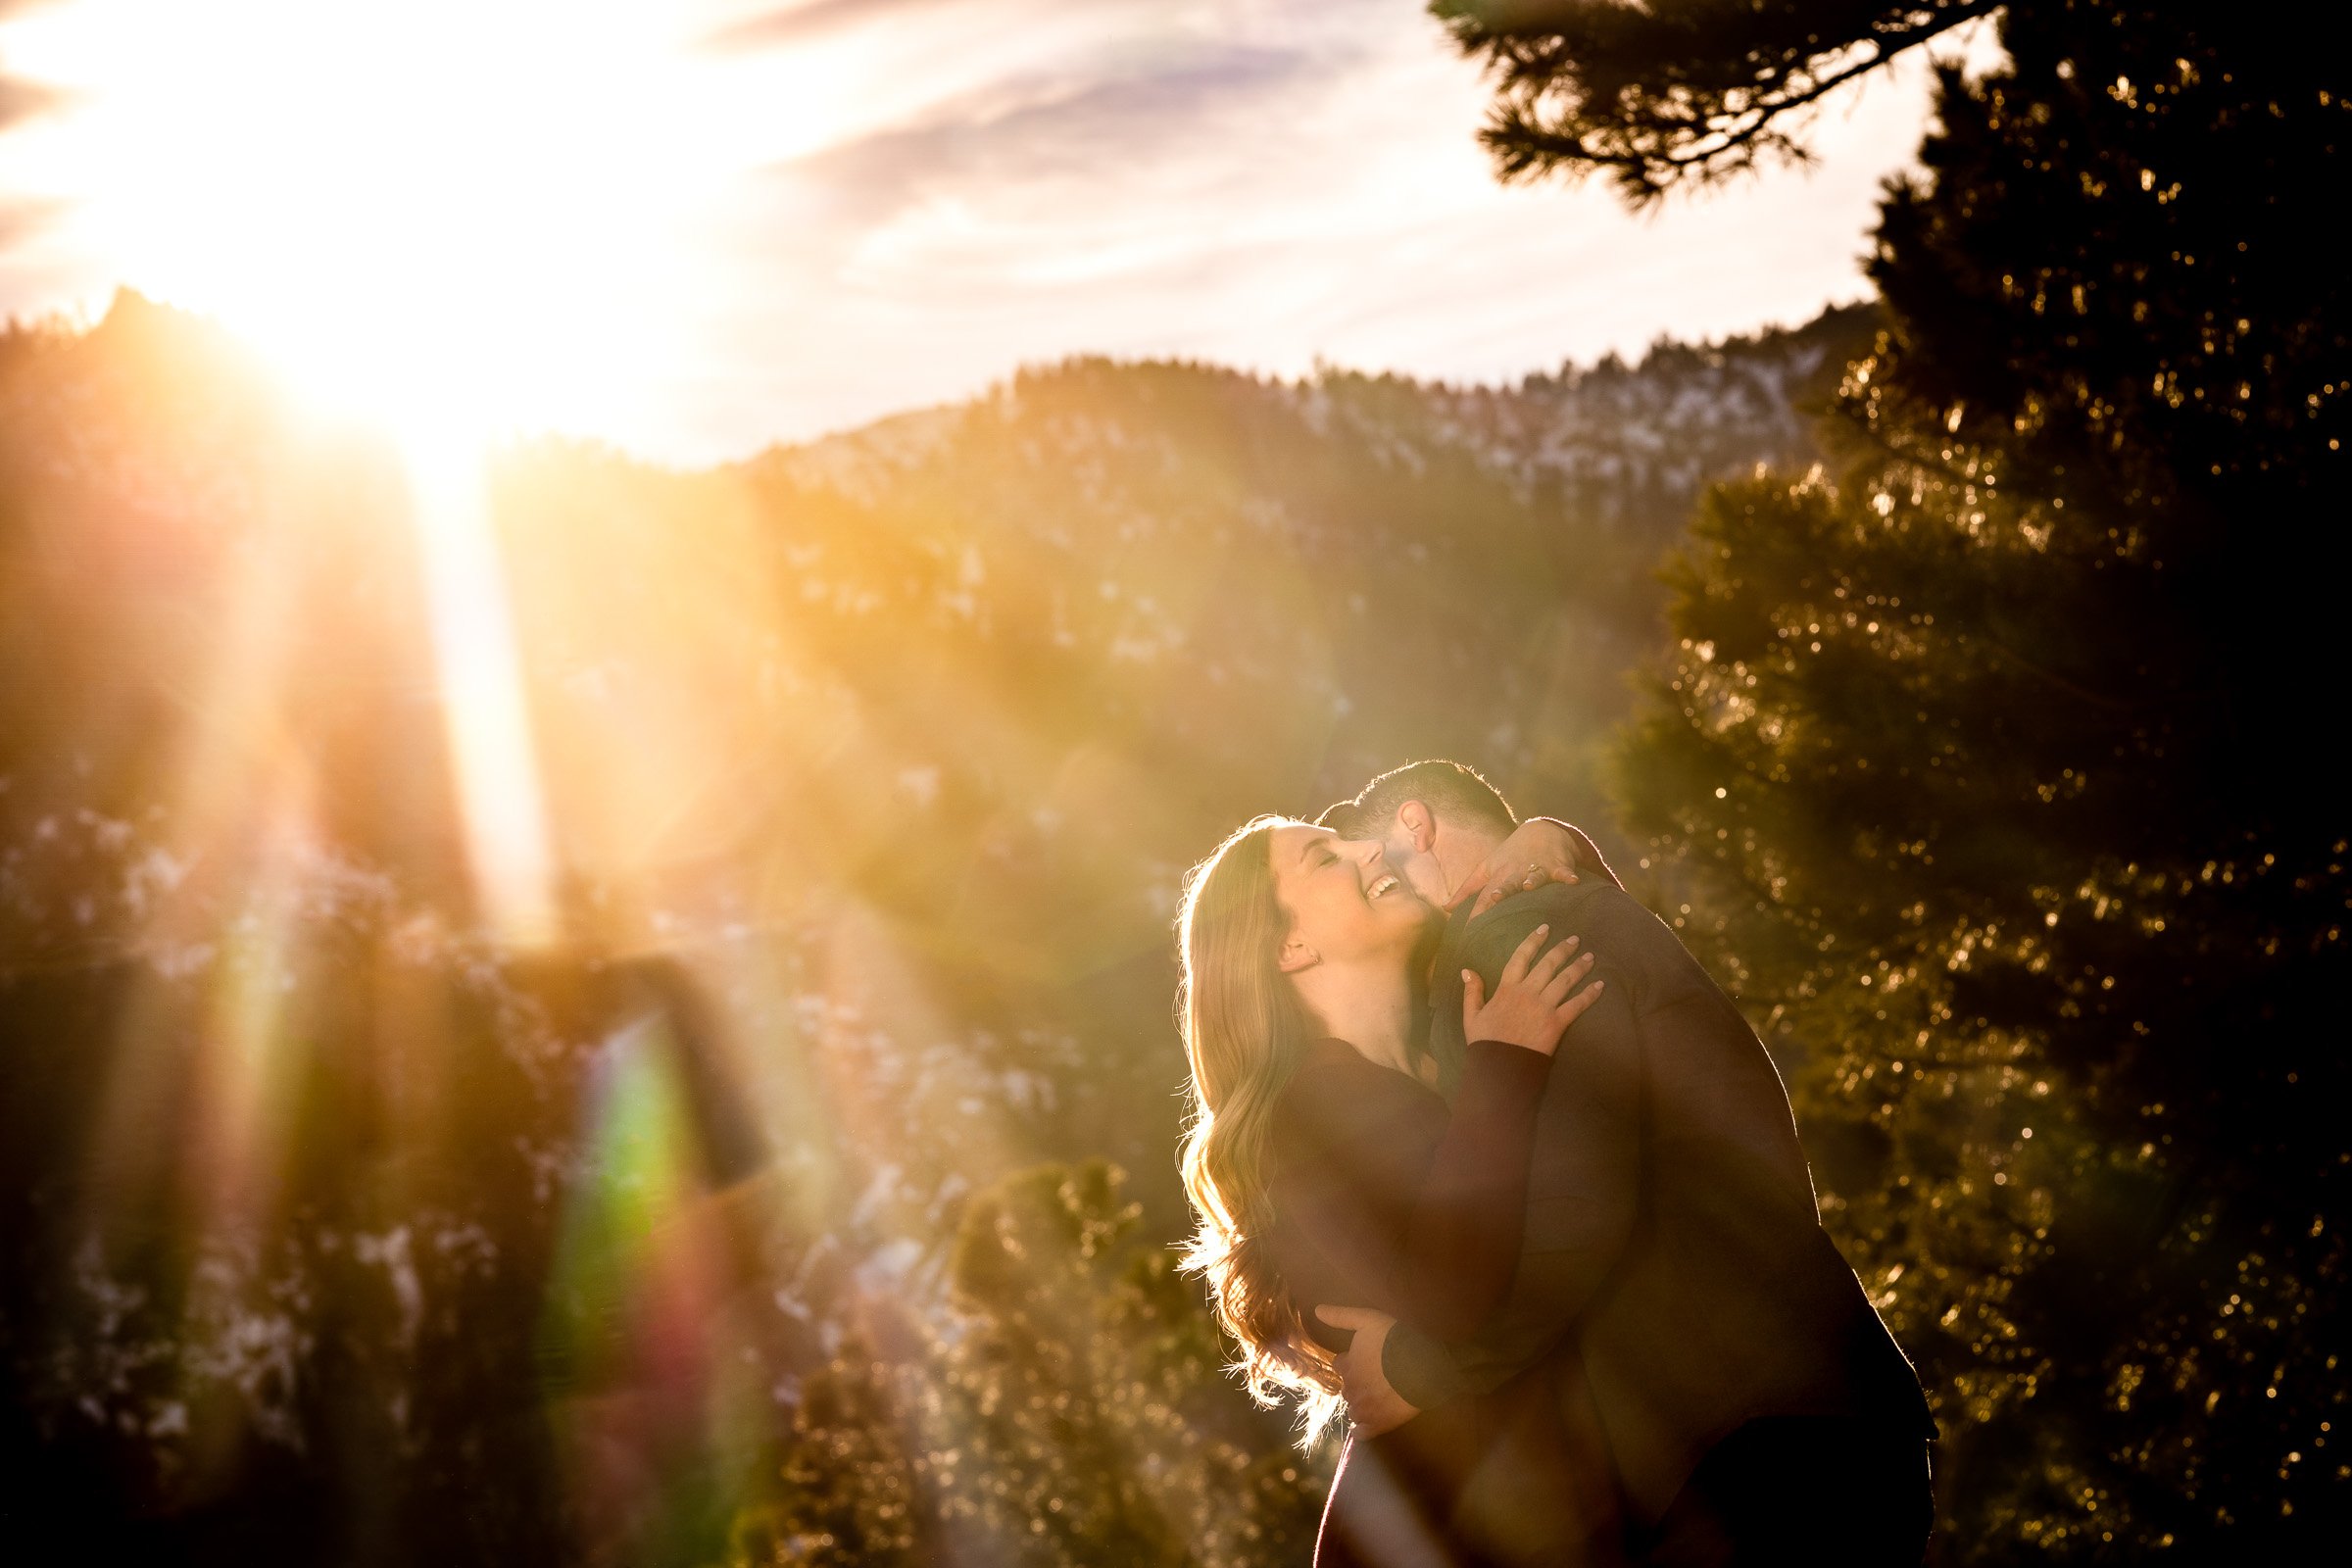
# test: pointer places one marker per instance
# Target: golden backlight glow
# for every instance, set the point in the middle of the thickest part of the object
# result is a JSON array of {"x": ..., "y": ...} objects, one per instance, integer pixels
[
  {"x": 483, "y": 208},
  {"x": 445, "y": 218},
  {"x": 451, "y": 219}
]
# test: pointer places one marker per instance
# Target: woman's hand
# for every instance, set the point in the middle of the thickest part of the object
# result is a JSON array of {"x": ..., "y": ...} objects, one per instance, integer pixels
[
  {"x": 1536, "y": 999},
  {"x": 1538, "y": 850}
]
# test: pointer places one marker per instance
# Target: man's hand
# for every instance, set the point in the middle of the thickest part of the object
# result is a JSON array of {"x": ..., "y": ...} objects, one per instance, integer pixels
[
  {"x": 1372, "y": 1404},
  {"x": 1538, "y": 850}
]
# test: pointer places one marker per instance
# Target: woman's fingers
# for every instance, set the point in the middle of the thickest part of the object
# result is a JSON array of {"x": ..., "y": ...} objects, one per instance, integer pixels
[
  {"x": 1536, "y": 997},
  {"x": 1555, "y": 960},
  {"x": 1565, "y": 981},
  {"x": 1567, "y": 1013},
  {"x": 1524, "y": 955},
  {"x": 1499, "y": 885},
  {"x": 1474, "y": 1002},
  {"x": 1538, "y": 850},
  {"x": 1489, "y": 891}
]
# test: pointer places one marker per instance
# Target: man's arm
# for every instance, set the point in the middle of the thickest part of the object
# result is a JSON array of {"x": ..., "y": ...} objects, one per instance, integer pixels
[{"x": 1585, "y": 1185}]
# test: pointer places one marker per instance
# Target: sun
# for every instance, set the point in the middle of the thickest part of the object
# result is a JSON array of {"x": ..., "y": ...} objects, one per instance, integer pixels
[
  {"x": 471, "y": 213},
  {"x": 451, "y": 219}
]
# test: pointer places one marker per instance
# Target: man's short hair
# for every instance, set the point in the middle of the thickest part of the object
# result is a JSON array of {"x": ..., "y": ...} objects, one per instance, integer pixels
[{"x": 1455, "y": 791}]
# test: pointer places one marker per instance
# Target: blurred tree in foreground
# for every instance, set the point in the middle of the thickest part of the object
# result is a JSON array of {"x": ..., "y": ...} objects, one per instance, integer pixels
[
  {"x": 1995, "y": 762},
  {"x": 1074, "y": 1411},
  {"x": 1093, "y": 1394}
]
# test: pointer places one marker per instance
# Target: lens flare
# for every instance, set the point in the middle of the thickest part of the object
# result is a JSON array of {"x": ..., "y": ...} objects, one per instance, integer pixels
[{"x": 482, "y": 689}]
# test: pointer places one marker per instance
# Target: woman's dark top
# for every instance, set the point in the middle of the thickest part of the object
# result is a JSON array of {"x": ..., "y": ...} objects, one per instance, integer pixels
[{"x": 1382, "y": 1198}]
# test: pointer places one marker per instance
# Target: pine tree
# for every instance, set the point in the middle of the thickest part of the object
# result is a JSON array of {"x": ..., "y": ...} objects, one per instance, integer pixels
[
  {"x": 1992, "y": 767},
  {"x": 1667, "y": 96},
  {"x": 1088, "y": 1394},
  {"x": 854, "y": 1492}
]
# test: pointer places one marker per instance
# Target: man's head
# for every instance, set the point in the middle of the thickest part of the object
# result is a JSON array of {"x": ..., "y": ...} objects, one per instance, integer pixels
[{"x": 1435, "y": 821}]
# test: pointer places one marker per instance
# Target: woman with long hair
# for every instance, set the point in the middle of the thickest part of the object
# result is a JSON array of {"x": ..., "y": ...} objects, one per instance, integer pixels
[{"x": 1326, "y": 1169}]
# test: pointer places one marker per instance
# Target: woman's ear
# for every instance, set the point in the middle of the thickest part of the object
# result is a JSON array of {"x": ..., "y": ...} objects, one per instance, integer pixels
[{"x": 1296, "y": 955}]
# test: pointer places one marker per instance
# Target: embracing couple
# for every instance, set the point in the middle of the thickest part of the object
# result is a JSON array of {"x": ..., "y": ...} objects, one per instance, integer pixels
[{"x": 1522, "y": 1188}]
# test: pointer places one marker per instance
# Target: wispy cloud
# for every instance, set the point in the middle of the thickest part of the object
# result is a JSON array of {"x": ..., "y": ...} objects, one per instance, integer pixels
[
  {"x": 786, "y": 24},
  {"x": 909, "y": 197},
  {"x": 1060, "y": 142}
]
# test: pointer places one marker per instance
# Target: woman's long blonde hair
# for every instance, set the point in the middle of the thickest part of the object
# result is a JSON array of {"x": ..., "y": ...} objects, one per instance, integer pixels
[{"x": 1245, "y": 1029}]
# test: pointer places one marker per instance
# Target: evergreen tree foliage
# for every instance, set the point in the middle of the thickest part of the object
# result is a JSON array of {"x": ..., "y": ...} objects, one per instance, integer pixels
[
  {"x": 1992, "y": 766},
  {"x": 1076, "y": 1413},
  {"x": 852, "y": 1494},
  {"x": 1041, "y": 1382},
  {"x": 1675, "y": 93},
  {"x": 1091, "y": 1395}
]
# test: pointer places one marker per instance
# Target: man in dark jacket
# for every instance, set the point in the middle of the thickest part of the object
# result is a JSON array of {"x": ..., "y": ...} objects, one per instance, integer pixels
[{"x": 1754, "y": 1406}]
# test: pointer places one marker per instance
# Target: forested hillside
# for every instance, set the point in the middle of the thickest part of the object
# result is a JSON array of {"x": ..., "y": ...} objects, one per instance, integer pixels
[{"x": 870, "y": 768}]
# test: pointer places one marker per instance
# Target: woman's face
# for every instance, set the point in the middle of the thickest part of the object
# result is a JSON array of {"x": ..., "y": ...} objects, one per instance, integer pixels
[{"x": 1342, "y": 900}]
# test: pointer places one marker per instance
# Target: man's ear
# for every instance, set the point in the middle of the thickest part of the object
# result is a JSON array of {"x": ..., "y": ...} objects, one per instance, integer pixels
[
  {"x": 1296, "y": 955},
  {"x": 1419, "y": 825}
]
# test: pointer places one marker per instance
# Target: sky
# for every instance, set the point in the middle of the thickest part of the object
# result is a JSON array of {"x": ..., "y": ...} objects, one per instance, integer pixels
[{"x": 693, "y": 228}]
